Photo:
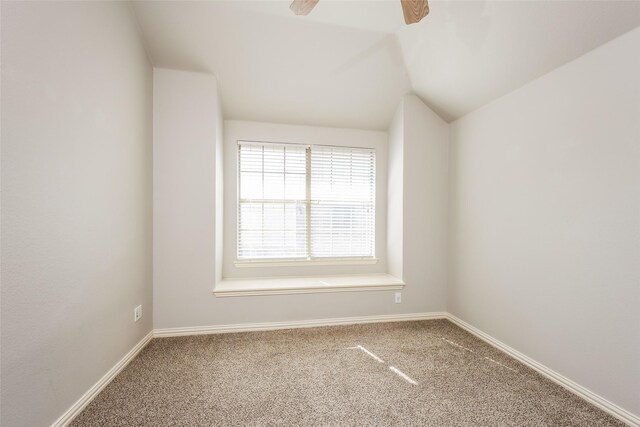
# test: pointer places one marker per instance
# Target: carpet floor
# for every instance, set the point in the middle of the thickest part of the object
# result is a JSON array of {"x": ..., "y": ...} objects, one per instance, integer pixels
[{"x": 424, "y": 373}]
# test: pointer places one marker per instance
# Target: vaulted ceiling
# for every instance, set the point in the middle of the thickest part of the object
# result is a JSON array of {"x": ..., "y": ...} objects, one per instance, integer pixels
[{"x": 348, "y": 63}]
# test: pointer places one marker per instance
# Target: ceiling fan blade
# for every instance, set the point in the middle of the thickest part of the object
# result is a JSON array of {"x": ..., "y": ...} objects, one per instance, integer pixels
[
  {"x": 414, "y": 10},
  {"x": 303, "y": 7}
]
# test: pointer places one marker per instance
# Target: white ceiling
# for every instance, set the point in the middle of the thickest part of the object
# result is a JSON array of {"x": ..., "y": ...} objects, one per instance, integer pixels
[{"x": 348, "y": 63}]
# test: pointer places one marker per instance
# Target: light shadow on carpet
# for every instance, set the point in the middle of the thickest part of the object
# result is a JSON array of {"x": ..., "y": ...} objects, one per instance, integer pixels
[{"x": 427, "y": 373}]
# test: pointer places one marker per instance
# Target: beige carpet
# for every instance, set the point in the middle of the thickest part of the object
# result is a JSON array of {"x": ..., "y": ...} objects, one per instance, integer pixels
[{"x": 427, "y": 373}]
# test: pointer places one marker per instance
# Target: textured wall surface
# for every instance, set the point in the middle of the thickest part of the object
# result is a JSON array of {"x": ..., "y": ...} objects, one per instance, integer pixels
[
  {"x": 76, "y": 201},
  {"x": 545, "y": 189}
]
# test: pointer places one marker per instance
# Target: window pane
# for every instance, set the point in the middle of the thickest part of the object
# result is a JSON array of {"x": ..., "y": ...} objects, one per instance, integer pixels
[
  {"x": 271, "y": 209},
  {"x": 251, "y": 216},
  {"x": 272, "y": 230},
  {"x": 272, "y": 206},
  {"x": 342, "y": 202},
  {"x": 296, "y": 186},
  {"x": 251, "y": 185}
]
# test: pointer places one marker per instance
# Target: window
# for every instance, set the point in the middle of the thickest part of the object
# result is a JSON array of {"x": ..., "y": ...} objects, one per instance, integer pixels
[{"x": 301, "y": 202}]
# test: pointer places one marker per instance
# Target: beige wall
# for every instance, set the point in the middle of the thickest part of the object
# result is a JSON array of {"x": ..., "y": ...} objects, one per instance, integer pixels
[
  {"x": 76, "y": 201},
  {"x": 185, "y": 108},
  {"x": 545, "y": 189},
  {"x": 395, "y": 195},
  {"x": 425, "y": 188},
  {"x": 418, "y": 185},
  {"x": 186, "y": 141}
]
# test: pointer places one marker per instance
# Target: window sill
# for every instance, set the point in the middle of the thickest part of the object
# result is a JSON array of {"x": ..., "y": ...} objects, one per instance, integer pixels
[
  {"x": 296, "y": 263},
  {"x": 306, "y": 285}
]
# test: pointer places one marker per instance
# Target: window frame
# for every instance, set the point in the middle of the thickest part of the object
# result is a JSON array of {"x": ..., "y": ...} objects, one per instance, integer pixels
[{"x": 308, "y": 260}]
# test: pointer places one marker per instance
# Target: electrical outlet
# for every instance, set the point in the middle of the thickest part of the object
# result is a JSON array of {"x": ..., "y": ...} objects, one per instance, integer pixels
[
  {"x": 398, "y": 297},
  {"x": 137, "y": 313}
]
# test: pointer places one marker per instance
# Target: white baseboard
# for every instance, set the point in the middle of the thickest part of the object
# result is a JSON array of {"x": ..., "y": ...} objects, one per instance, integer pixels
[
  {"x": 596, "y": 400},
  {"x": 269, "y": 326},
  {"x": 77, "y": 407}
]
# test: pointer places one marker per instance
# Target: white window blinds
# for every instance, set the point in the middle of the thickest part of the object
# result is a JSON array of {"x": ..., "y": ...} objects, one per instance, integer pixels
[
  {"x": 272, "y": 219},
  {"x": 305, "y": 202},
  {"x": 342, "y": 202}
]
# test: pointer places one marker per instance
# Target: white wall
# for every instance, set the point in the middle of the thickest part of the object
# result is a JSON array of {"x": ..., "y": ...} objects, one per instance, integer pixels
[
  {"x": 426, "y": 156},
  {"x": 546, "y": 208},
  {"x": 235, "y": 131},
  {"x": 76, "y": 201},
  {"x": 186, "y": 129},
  {"x": 395, "y": 194},
  {"x": 418, "y": 185}
]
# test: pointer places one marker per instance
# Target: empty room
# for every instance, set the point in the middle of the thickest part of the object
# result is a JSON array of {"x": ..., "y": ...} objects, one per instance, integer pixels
[{"x": 320, "y": 213}]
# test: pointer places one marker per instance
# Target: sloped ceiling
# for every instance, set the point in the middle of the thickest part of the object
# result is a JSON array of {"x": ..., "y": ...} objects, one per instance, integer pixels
[{"x": 348, "y": 63}]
